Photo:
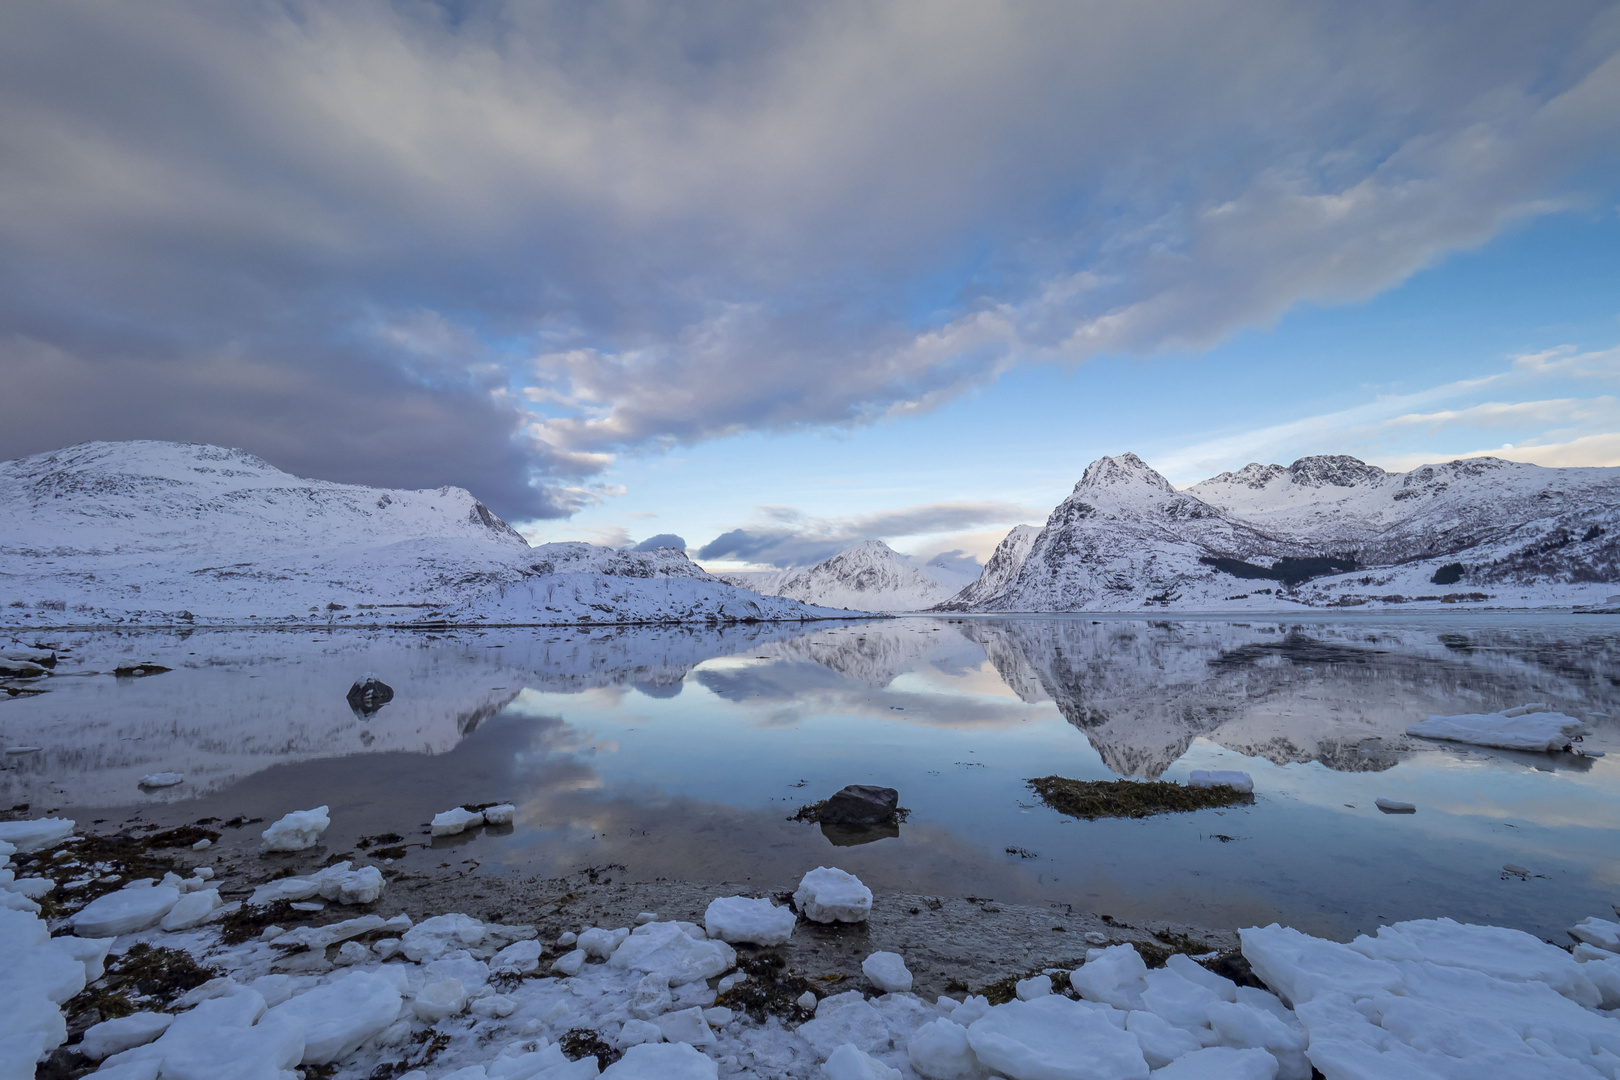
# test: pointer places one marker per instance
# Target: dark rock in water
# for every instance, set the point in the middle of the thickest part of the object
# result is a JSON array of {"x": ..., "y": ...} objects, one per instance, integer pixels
[
  {"x": 21, "y": 669},
  {"x": 369, "y": 693},
  {"x": 860, "y": 804},
  {"x": 136, "y": 671},
  {"x": 855, "y": 835}
]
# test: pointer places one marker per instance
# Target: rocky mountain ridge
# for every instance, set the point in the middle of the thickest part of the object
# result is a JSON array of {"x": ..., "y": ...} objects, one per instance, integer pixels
[{"x": 1324, "y": 531}]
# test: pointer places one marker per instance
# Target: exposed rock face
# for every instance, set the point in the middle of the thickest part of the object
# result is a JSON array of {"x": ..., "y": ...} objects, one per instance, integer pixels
[{"x": 1325, "y": 531}]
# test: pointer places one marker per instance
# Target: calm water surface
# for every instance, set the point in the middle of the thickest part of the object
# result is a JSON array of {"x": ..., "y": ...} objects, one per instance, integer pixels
[{"x": 682, "y": 753}]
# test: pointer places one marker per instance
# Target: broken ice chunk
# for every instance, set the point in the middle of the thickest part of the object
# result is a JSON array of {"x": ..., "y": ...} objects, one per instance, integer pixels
[
  {"x": 569, "y": 963},
  {"x": 27, "y": 836},
  {"x": 1220, "y": 1063},
  {"x": 297, "y": 831},
  {"x": 662, "y": 1061},
  {"x": 192, "y": 910},
  {"x": 1113, "y": 976},
  {"x": 129, "y": 909},
  {"x": 456, "y": 820},
  {"x": 939, "y": 1051},
  {"x": 437, "y": 1000},
  {"x": 1513, "y": 729},
  {"x": 161, "y": 779},
  {"x": 519, "y": 958},
  {"x": 499, "y": 815},
  {"x": 1238, "y": 781},
  {"x": 113, "y": 1036},
  {"x": 667, "y": 949},
  {"x": 827, "y": 895},
  {"x": 887, "y": 971},
  {"x": 1033, "y": 987},
  {"x": 336, "y": 1018},
  {"x": 849, "y": 1063},
  {"x": 433, "y": 938},
  {"x": 1394, "y": 806},
  {"x": 601, "y": 943},
  {"x": 1046, "y": 1037},
  {"x": 742, "y": 920},
  {"x": 1600, "y": 932},
  {"x": 686, "y": 1026}
]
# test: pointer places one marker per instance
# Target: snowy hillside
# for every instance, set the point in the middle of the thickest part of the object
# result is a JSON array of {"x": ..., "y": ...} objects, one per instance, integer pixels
[
  {"x": 1000, "y": 572},
  {"x": 163, "y": 533},
  {"x": 1325, "y": 531},
  {"x": 871, "y": 576}
]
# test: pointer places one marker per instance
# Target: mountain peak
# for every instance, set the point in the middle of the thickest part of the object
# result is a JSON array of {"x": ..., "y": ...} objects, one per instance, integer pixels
[
  {"x": 1335, "y": 470},
  {"x": 1125, "y": 469}
]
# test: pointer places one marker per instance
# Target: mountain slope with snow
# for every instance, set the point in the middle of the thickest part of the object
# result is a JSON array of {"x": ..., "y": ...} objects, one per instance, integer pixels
[
  {"x": 163, "y": 533},
  {"x": 1000, "y": 572},
  {"x": 871, "y": 576},
  {"x": 1325, "y": 531}
]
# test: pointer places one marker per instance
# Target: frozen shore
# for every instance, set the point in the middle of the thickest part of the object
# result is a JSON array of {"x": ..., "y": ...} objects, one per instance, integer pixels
[{"x": 489, "y": 977}]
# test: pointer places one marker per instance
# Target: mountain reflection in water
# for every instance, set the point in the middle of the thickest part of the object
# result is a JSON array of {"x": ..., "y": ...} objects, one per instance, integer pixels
[{"x": 682, "y": 752}]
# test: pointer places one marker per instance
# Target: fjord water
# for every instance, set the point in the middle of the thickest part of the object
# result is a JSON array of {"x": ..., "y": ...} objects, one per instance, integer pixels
[{"x": 682, "y": 753}]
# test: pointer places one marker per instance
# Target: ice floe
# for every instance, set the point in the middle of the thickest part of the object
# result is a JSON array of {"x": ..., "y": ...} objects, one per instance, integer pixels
[
  {"x": 1238, "y": 781},
  {"x": 827, "y": 895},
  {"x": 743, "y": 920},
  {"x": 456, "y": 820},
  {"x": 1528, "y": 727},
  {"x": 298, "y": 830}
]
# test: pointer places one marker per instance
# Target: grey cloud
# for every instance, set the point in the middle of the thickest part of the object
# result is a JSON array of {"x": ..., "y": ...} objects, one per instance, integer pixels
[
  {"x": 494, "y": 243},
  {"x": 796, "y": 539}
]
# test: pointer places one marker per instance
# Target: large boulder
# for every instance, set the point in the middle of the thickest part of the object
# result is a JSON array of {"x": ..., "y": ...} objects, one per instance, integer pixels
[{"x": 860, "y": 804}]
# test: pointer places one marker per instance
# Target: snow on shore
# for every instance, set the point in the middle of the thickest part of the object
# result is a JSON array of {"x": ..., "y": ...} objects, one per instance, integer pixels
[
  {"x": 454, "y": 997},
  {"x": 156, "y": 533}
]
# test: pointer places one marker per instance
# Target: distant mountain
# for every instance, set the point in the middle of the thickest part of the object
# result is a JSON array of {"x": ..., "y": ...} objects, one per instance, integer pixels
[
  {"x": 871, "y": 576},
  {"x": 1324, "y": 531},
  {"x": 163, "y": 533}
]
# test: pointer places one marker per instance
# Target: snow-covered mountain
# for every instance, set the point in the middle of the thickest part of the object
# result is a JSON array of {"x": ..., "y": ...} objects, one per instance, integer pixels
[
  {"x": 1000, "y": 572},
  {"x": 163, "y": 533},
  {"x": 1324, "y": 531},
  {"x": 871, "y": 576}
]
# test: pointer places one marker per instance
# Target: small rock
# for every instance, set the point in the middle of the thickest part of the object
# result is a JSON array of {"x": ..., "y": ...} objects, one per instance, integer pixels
[
  {"x": 807, "y": 1001},
  {"x": 129, "y": 669}
]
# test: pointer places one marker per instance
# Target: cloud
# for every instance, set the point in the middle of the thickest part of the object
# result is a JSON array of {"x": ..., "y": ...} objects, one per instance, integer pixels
[
  {"x": 1554, "y": 431},
  {"x": 1499, "y": 413},
  {"x": 497, "y": 244},
  {"x": 791, "y": 538},
  {"x": 662, "y": 540}
]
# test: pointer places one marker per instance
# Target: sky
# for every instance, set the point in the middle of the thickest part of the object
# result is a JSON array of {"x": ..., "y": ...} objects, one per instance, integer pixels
[{"x": 773, "y": 279}]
